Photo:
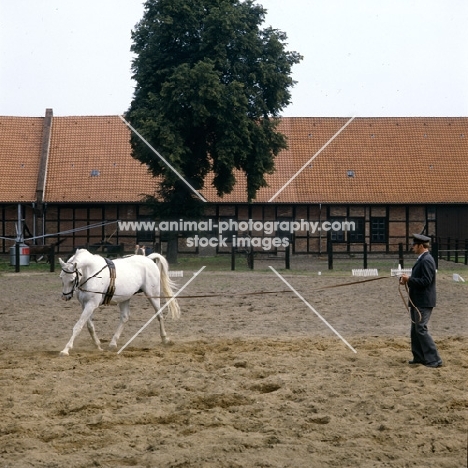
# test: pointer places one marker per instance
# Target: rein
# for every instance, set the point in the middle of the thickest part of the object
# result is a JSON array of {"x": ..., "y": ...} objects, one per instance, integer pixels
[
  {"x": 257, "y": 293},
  {"x": 410, "y": 301}
]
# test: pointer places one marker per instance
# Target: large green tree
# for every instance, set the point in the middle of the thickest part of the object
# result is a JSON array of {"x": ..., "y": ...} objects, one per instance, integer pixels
[{"x": 210, "y": 84}]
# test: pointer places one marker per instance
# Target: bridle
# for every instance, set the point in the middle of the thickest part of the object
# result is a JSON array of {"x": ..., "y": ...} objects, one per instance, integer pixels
[{"x": 76, "y": 281}]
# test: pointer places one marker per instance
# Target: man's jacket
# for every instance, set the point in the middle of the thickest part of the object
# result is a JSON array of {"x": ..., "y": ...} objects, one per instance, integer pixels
[{"x": 422, "y": 283}]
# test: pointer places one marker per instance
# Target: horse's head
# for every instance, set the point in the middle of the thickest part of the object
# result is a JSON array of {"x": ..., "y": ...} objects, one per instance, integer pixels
[{"x": 70, "y": 277}]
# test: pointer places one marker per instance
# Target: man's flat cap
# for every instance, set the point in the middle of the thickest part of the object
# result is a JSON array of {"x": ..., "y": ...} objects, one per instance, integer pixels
[{"x": 420, "y": 239}]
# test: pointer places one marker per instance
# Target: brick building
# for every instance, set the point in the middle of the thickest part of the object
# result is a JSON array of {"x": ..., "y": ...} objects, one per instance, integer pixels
[{"x": 390, "y": 176}]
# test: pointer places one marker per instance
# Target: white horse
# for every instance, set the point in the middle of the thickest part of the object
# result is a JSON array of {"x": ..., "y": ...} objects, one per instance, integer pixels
[{"x": 91, "y": 277}]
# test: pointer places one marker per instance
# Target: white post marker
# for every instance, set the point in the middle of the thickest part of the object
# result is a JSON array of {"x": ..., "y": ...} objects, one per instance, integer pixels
[
  {"x": 195, "y": 191},
  {"x": 161, "y": 309},
  {"x": 313, "y": 310}
]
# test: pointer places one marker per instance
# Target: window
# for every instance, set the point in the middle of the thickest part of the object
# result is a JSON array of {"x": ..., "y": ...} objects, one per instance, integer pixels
[
  {"x": 378, "y": 229},
  {"x": 356, "y": 235},
  {"x": 352, "y": 229},
  {"x": 280, "y": 232},
  {"x": 337, "y": 235}
]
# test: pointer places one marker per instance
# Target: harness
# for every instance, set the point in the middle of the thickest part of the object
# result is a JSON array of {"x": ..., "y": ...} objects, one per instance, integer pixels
[
  {"x": 111, "y": 288},
  {"x": 76, "y": 283}
]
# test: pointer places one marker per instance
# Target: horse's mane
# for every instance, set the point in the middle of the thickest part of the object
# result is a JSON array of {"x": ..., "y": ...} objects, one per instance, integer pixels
[{"x": 78, "y": 254}]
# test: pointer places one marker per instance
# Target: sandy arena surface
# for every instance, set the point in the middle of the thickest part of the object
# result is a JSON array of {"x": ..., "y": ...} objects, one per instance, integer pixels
[{"x": 249, "y": 381}]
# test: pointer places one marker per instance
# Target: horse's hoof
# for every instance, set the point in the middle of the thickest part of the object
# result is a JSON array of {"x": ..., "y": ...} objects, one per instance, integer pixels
[
  {"x": 63, "y": 353},
  {"x": 112, "y": 347},
  {"x": 167, "y": 342}
]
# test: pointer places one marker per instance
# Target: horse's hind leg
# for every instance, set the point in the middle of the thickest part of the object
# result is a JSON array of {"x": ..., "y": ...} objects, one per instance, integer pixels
[
  {"x": 124, "y": 316},
  {"x": 92, "y": 332},
  {"x": 162, "y": 331}
]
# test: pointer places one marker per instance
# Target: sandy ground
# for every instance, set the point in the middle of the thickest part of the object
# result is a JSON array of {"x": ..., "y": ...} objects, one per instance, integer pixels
[{"x": 250, "y": 380}]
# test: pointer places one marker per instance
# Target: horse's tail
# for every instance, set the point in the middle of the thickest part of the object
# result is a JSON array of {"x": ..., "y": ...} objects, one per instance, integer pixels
[{"x": 166, "y": 283}]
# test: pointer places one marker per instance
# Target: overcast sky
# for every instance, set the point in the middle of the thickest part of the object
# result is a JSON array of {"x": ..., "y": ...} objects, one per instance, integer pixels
[{"x": 365, "y": 58}]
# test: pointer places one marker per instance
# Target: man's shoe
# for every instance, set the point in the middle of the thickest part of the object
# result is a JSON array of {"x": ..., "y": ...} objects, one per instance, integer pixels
[
  {"x": 434, "y": 364},
  {"x": 415, "y": 362}
]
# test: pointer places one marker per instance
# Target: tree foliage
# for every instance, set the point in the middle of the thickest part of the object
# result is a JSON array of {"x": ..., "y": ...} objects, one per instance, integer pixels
[{"x": 210, "y": 84}]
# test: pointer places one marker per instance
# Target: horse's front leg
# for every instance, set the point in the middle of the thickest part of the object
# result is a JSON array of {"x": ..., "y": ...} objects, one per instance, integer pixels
[
  {"x": 124, "y": 316},
  {"x": 85, "y": 315},
  {"x": 92, "y": 332}
]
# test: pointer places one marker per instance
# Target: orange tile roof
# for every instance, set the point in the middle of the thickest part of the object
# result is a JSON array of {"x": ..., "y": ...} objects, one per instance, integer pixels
[
  {"x": 409, "y": 160},
  {"x": 20, "y": 152},
  {"x": 393, "y": 160},
  {"x": 90, "y": 161}
]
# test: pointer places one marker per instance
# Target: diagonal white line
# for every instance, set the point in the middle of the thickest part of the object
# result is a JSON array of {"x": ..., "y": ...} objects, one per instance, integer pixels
[
  {"x": 195, "y": 191},
  {"x": 161, "y": 309},
  {"x": 313, "y": 310},
  {"x": 311, "y": 159}
]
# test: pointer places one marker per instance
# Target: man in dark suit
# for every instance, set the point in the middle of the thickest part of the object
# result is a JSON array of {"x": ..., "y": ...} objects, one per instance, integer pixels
[{"x": 422, "y": 299}]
